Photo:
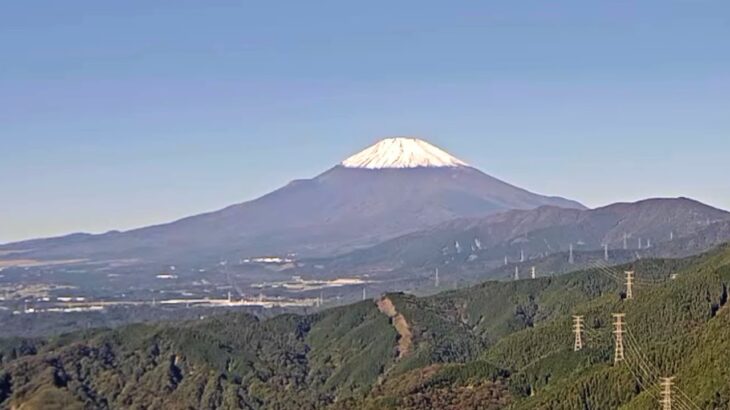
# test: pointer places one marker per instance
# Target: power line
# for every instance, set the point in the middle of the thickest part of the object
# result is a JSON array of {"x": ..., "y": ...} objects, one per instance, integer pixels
[
  {"x": 633, "y": 345},
  {"x": 639, "y": 378},
  {"x": 615, "y": 274},
  {"x": 643, "y": 365},
  {"x": 649, "y": 376}
]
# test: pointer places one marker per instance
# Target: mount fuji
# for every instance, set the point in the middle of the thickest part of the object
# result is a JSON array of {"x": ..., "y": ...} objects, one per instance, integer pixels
[{"x": 396, "y": 186}]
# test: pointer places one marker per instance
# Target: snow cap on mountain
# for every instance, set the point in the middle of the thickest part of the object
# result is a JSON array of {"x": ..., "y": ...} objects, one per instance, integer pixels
[{"x": 402, "y": 152}]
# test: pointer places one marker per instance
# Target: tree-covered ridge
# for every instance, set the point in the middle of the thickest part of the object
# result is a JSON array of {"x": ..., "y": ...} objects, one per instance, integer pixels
[
  {"x": 495, "y": 345},
  {"x": 230, "y": 361},
  {"x": 663, "y": 324}
]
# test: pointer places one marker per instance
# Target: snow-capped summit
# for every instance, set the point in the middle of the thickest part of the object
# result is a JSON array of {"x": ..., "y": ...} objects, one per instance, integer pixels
[
  {"x": 397, "y": 186},
  {"x": 402, "y": 152}
]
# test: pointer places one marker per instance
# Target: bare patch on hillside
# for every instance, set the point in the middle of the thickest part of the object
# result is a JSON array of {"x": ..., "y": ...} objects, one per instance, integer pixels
[{"x": 405, "y": 337}]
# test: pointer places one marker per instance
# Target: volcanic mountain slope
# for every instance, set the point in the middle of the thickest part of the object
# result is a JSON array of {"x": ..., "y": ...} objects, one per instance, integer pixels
[
  {"x": 665, "y": 227},
  {"x": 497, "y": 345},
  {"x": 398, "y": 185}
]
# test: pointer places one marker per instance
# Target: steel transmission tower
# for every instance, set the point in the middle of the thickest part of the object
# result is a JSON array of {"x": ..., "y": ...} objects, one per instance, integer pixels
[
  {"x": 629, "y": 284},
  {"x": 618, "y": 332},
  {"x": 666, "y": 393},
  {"x": 578, "y": 330}
]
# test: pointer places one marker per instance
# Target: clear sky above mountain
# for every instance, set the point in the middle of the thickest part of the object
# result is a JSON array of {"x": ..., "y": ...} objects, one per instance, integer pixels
[{"x": 123, "y": 114}]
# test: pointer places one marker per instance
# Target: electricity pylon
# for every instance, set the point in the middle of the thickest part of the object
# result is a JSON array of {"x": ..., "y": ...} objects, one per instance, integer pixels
[
  {"x": 618, "y": 332},
  {"x": 578, "y": 330},
  {"x": 629, "y": 284},
  {"x": 666, "y": 393}
]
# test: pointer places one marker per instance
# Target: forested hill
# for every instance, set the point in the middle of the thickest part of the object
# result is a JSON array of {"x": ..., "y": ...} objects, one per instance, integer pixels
[{"x": 496, "y": 345}]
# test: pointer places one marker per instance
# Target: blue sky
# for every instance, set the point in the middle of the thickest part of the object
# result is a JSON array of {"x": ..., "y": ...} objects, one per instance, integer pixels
[{"x": 120, "y": 114}]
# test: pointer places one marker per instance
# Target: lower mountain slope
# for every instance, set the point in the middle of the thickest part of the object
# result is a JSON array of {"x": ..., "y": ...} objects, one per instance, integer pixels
[
  {"x": 334, "y": 212},
  {"x": 470, "y": 248},
  {"x": 496, "y": 345}
]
